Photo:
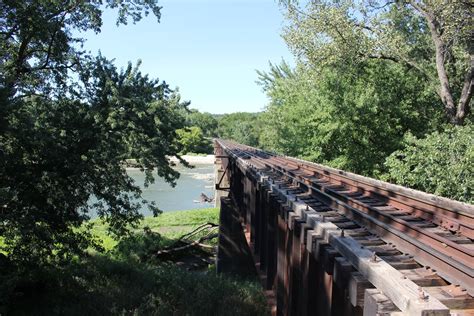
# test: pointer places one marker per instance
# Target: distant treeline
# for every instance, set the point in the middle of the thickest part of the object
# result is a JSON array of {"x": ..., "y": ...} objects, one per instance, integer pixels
[
  {"x": 436, "y": 160},
  {"x": 202, "y": 127}
]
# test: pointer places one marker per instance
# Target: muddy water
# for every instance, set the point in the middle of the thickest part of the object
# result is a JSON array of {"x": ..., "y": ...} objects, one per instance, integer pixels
[{"x": 185, "y": 195}]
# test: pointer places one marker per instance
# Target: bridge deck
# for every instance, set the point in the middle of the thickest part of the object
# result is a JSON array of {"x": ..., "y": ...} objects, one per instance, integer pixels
[{"x": 334, "y": 243}]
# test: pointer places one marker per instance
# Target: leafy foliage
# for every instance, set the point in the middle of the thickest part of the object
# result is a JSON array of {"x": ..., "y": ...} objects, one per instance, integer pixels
[
  {"x": 241, "y": 127},
  {"x": 192, "y": 140},
  {"x": 38, "y": 49},
  {"x": 205, "y": 121},
  {"x": 433, "y": 38},
  {"x": 63, "y": 137},
  {"x": 350, "y": 120},
  {"x": 368, "y": 73},
  {"x": 57, "y": 154},
  {"x": 442, "y": 163}
]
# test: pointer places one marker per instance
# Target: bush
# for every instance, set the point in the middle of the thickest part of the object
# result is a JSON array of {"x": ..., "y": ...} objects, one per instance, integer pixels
[
  {"x": 129, "y": 280},
  {"x": 192, "y": 140},
  {"x": 101, "y": 285},
  {"x": 347, "y": 119},
  {"x": 442, "y": 163}
]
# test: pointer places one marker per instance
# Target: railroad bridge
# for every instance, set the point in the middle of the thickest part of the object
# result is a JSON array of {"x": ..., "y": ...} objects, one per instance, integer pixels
[{"x": 328, "y": 242}]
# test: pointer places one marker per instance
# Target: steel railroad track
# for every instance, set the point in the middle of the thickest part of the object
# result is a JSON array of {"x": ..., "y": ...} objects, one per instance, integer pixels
[{"x": 428, "y": 238}]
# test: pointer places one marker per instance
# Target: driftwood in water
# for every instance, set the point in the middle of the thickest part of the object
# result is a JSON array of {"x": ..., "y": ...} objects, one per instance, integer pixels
[{"x": 205, "y": 198}]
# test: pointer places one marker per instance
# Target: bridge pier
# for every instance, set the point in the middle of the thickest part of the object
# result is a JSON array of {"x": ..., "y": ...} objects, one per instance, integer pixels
[
  {"x": 233, "y": 252},
  {"x": 256, "y": 223},
  {"x": 221, "y": 175}
]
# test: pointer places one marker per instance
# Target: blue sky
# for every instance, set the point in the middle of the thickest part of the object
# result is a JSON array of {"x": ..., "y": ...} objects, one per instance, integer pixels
[{"x": 210, "y": 49}]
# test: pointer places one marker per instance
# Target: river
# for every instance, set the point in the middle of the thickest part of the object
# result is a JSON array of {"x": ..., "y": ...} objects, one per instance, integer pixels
[{"x": 185, "y": 194}]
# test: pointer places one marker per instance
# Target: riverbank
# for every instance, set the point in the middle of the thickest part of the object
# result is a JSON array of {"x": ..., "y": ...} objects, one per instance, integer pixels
[
  {"x": 169, "y": 225},
  {"x": 132, "y": 278},
  {"x": 199, "y": 159},
  {"x": 196, "y": 159}
]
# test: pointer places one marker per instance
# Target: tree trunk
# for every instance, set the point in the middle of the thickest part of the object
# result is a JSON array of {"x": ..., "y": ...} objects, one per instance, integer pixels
[
  {"x": 456, "y": 115},
  {"x": 466, "y": 93},
  {"x": 445, "y": 90}
]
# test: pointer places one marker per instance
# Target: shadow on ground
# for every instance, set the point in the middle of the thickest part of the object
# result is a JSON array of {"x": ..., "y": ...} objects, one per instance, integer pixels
[{"x": 130, "y": 280}]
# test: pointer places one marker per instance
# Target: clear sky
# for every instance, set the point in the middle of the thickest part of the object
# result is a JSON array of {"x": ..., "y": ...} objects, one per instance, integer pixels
[{"x": 210, "y": 49}]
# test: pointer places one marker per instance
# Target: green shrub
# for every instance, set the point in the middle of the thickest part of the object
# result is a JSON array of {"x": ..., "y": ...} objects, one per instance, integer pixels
[
  {"x": 129, "y": 280},
  {"x": 100, "y": 285},
  {"x": 192, "y": 140},
  {"x": 442, "y": 163}
]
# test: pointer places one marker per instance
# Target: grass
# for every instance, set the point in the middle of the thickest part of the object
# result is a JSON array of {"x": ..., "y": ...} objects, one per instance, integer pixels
[
  {"x": 170, "y": 225},
  {"x": 126, "y": 280}
]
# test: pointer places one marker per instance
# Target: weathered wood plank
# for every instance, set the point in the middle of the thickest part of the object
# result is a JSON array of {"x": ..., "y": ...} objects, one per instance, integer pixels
[
  {"x": 377, "y": 304},
  {"x": 357, "y": 286},
  {"x": 403, "y": 292},
  {"x": 424, "y": 277},
  {"x": 452, "y": 296}
]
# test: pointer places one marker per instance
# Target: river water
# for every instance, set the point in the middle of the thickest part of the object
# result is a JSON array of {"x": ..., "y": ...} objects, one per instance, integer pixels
[{"x": 185, "y": 195}]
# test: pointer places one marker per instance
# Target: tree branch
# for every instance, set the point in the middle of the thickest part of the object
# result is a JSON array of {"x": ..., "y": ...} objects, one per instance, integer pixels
[
  {"x": 466, "y": 93},
  {"x": 400, "y": 60},
  {"x": 22, "y": 96},
  {"x": 381, "y": 56},
  {"x": 190, "y": 244},
  {"x": 51, "y": 42},
  {"x": 440, "y": 50},
  {"x": 60, "y": 67},
  {"x": 21, "y": 56}
]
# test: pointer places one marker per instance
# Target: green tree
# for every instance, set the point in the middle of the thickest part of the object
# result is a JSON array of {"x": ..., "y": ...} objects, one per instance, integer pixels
[
  {"x": 63, "y": 138},
  {"x": 205, "y": 121},
  {"x": 192, "y": 140},
  {"x": 433, "y": 38},
  {"x": 348, "y": 119},
  {"x": 442, "y": 163},
  {"x": 38, "y": 49},
  {"x": 241, "y": 127}
]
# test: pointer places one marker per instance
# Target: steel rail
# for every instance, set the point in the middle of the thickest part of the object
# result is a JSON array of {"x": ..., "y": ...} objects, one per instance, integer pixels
[
  {"x": 443, "y": 244},
  {"x": 435, "y": 209},
  {"x": 460, "y": 251},
  {"x": 452, "y": 215}
]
